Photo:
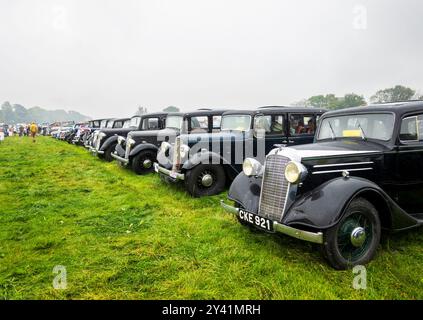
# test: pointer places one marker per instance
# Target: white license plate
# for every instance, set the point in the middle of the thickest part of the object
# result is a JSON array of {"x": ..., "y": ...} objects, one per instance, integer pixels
[{"x": 255, "y": 220}]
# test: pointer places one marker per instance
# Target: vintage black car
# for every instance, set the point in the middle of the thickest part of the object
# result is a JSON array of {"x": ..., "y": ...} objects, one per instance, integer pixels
[
  {"x": 207, "y": 162},
  {"x": 107, "y": 138},
  {"x": 90, "y": 140},
  {"x": 363, "y": 174},
  {"x": 139, "y": 151}
]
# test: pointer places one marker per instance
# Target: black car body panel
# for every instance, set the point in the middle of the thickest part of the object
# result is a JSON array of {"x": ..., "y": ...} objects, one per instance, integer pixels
[
  {"x": 224, "y": 148},
  {"x": 151, "y": 140},
  {"x": 387, "y": 173}
]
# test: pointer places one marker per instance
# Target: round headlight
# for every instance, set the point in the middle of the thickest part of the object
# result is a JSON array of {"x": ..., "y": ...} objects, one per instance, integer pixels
[
  {"x": 251, "y": 167},
  {"x": 294, "y": 172},
  {"x": 101, "y": 135},
  {"x": 183, "y": 151},
  {"x": 164, "y": 146},
  {"x": 131, "y": 141}
]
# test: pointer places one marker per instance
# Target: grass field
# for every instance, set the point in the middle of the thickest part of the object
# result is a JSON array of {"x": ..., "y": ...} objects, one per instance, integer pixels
[{"x": 121, "y": 236}]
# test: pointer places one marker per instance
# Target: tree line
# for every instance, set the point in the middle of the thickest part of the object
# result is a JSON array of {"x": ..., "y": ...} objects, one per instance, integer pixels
[
  {"x": 332, "y": 102},
  {"x": 16, "y": 113}
]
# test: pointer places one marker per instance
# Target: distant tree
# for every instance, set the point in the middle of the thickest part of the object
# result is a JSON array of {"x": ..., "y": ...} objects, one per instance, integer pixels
[
  {"x": 301, "y": 103},
  {"x": 397, "y": 93},
  {"x": 331, "y": 102},
  {"x": 141, "y": 111},
  {"x": 352, "y": 100},
  {"x": 7, "y": 112},
  {"x": 21, "y": 114},
  {"x": 171, "y": 109}
]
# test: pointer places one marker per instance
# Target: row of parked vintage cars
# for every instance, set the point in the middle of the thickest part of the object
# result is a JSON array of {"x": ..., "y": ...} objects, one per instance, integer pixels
[{"x": 333, "y": 178}]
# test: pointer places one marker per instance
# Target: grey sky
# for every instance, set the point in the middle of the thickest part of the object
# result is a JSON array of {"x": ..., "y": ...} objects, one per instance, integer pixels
[{"x": 106, "y": 57}]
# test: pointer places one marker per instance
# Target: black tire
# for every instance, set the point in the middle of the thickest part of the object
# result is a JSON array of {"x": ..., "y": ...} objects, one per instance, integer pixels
[
  {"x": 193, "y": 180},
  {"x": 139, "y": 160},
  {"x": 107, "y": 156},
  {"x": 338, "y": 248}
]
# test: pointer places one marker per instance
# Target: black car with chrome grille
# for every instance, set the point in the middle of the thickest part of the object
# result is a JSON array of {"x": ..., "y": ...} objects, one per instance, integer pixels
[
  {"x": 140, "y": 144},
  {"x": 107, "y": 138},
  {"x": 362, "y": 175},
  {"x": 205, "y": 163},
  {"x": 139, "y": 151},
  {"x": 90, "y": 137}
]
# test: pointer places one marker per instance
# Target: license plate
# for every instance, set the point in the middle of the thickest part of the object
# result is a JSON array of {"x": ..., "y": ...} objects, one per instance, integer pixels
[
  {"x": 255, "y": 220},
  {"x": 173, "y": 174}
]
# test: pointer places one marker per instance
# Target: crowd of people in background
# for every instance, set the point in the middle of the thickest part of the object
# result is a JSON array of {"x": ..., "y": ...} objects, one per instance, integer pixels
[{"x": 22, "y": 130}]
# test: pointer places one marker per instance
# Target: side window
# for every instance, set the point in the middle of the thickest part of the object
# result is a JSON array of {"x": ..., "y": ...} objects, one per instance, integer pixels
[
  {"x": 118, "y": 124},
  {"x": 410, "y": 129},
  {"x": 302, "y": 124},
  {"x": 150, "y": 124},
  {"x": 271, "y": 124},
  {"x": 263, "y": 123},
  {"x": 200, "y": 124},
  {"x": 216, "y": 123}
]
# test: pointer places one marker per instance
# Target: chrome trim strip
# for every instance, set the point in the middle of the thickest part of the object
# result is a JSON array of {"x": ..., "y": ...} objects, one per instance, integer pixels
[
  {"x": 341, "y": 170},
  {"x": 342, "y": 164},
  {"x": 315, "y": 237}
]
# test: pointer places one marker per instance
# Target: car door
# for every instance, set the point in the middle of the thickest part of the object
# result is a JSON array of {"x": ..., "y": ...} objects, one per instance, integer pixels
[
  {"x": 273, "y": 126},
  {"x": 301, "y": 128},
  {"x": 409, "y": 184}
]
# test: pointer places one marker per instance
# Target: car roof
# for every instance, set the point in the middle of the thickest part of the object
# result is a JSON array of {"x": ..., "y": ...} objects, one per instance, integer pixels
[
  {"x": 277, "y": 109},
  {"x": 398, "y": 108}
]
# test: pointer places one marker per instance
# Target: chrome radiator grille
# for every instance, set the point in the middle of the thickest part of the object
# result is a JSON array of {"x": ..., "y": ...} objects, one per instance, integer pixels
[
  {"x": 127, "y": 150},
  {"x": 176, "y": 155},
  {"x": 274, "y": 189}
]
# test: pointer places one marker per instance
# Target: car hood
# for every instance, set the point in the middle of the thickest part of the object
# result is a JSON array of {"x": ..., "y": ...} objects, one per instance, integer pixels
[{"x": 337, "y": 148}]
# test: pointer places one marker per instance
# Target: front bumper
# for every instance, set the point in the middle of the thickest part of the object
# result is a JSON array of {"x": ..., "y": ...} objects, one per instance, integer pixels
[
  {"x": 120, "y": 159},
  {"x": 94, "y": 151},
  {"x": 315, "y": 237},
  {"x": 172, "y": 174}
]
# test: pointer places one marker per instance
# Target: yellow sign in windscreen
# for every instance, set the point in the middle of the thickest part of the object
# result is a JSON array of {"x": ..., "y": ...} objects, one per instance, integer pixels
[{"x": 351, "y": 133}]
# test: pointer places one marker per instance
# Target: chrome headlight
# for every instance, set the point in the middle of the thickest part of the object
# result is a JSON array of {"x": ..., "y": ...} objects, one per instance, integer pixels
[
  {"x": 184, "y": 150},
  {"x": 295, "y": 172},
  {"x": 252, "y": 167},
  {"x": 121, "y": 139},
  {"x": 131, "y": 142},
  {"x": 164, "y": 146},
  {"x": 101, "y": 135}
]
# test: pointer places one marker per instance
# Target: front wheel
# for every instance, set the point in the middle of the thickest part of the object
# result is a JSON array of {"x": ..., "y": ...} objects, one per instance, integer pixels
[
  {"x": 108, "y": 152},
  {"x": 205, "y": 180},
  {"x": 355, "y": 238},
  {"x": 143, "y": 162}
]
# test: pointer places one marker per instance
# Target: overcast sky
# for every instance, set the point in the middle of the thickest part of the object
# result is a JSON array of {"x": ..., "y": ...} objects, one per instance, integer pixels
[{"x": 107, "y": 57}]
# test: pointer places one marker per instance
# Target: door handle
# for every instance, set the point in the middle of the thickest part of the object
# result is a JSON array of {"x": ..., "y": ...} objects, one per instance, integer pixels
[
  {"x": 291, "y": 141},
  {"x": 285, "y": 141}
]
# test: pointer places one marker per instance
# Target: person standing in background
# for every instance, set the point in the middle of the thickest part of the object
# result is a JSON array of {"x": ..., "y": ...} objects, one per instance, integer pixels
[{"x": 34, "y": 130}]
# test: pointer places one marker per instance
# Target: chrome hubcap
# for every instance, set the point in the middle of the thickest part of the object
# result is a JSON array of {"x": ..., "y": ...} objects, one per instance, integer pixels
[
  {"x": 358, "y": 236},
  {"x": 147, "y": 164},
  {"x": 207, "y": 180}
]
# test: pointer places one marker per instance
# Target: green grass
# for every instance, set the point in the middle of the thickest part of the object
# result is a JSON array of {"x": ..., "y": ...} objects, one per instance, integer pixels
[{"x": 121, "y": 236}]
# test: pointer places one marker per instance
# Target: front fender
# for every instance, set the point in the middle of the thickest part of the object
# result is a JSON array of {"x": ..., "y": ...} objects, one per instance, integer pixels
[
  {"x": 324, "y": 206},
  {"x": 204, "y": 157},
  {"x": 109, "y": 141},
  {"x": 245, "y": 191},
  {"x": 142, "y": 147}
]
